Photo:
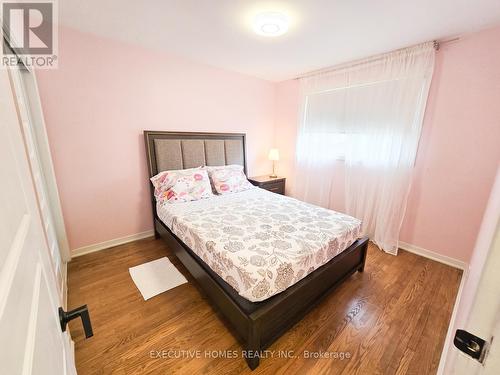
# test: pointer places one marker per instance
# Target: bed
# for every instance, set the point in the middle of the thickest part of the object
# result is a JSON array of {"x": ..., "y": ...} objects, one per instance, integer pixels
[{"x": 263, "y": 260}]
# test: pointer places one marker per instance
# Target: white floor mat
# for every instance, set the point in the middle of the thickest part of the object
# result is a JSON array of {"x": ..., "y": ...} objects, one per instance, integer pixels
[{"x": 156, "y": 277}]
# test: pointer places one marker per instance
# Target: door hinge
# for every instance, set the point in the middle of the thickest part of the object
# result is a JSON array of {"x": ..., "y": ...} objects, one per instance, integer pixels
[{"x": 471, "y": 345}]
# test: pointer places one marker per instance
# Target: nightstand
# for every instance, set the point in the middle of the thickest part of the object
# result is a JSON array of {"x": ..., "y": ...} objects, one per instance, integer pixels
[{"x": 276, "y": 185}]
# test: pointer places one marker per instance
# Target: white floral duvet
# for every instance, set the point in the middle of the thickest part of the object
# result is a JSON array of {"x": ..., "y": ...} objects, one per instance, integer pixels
[{"x": 260, "y": 242}]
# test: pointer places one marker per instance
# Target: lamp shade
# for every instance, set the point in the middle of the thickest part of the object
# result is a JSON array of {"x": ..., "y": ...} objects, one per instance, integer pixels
[{"x": 274, "y": 154}]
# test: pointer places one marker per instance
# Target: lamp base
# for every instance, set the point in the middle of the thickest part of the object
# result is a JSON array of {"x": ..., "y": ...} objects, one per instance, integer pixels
[{"x": 273, "y": 175}]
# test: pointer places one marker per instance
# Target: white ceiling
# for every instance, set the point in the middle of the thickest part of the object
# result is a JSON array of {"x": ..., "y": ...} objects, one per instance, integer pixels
[{"x": 322, "y": 32}]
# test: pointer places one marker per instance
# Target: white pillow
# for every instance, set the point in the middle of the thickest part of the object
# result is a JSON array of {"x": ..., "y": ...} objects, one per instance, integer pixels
[
  {"x": 228, "y": 179},
  {"x": 182, "y": 185}
]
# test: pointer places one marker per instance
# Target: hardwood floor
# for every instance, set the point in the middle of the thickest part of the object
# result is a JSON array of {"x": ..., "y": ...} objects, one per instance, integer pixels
[{"x": 391, "y": 319}]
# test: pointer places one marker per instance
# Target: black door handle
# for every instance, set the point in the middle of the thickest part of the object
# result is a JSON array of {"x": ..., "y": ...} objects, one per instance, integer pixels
[
  {"x": 471, "y": 345},
  {"x": 82, "y": 312}
]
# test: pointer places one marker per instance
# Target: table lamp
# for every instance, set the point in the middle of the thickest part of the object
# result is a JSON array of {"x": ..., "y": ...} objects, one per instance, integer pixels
[{"x": 274, "y": 155}]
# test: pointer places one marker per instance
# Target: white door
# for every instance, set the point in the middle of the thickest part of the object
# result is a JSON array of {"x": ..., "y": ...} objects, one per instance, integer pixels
[
  {"x": 479, "y": 308},
  {"x": 31, "y": 339}
]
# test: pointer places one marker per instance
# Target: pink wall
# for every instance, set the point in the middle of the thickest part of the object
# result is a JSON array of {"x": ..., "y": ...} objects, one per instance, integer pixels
[
  {"x": 286, "y": 119},
  {"x": 459, "y": 150},
  {"x": 96, "y": 105},
  {"x": 105, "y": 93}
]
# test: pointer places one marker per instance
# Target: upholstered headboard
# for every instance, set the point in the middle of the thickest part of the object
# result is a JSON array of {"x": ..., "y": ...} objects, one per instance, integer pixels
[{"x": 182, "y": 150}]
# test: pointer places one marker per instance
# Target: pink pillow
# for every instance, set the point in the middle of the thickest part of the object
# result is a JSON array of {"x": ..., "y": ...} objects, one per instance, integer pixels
[
  {"x": 182, "y": 185},
  {"x": 228, "y": 179}
]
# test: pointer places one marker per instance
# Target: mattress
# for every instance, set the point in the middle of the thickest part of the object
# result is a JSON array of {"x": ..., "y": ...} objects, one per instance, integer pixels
[{"x": 259, "y": 242}]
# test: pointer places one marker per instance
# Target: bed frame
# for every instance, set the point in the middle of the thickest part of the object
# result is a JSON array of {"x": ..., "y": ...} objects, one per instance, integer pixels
[{"x": 256, "y": 324}]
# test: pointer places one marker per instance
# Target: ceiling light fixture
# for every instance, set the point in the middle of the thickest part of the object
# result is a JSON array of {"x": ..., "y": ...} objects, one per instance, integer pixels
[{"x": 270, "y": 24}]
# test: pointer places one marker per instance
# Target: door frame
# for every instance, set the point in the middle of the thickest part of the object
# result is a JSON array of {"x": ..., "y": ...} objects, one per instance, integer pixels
[{"x": 39, "y": 133}]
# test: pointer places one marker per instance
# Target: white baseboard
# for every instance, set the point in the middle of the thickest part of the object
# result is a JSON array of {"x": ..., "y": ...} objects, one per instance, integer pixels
[
  {"x": 111, "y": 243},
  {"x": 434, "y": 256}
]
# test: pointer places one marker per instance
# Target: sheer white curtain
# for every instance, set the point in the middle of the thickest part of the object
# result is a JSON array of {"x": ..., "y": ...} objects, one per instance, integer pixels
[{"x": 370, "y": 116}]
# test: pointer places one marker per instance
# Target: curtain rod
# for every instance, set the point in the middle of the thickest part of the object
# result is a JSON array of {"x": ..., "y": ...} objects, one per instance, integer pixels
[{"x": 437, "y": 45}]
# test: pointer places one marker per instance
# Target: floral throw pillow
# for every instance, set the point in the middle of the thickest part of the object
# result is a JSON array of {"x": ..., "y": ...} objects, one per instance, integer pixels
[
  {"x": 228, "y": 179},
  {"x": 182, "y": 185}
]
